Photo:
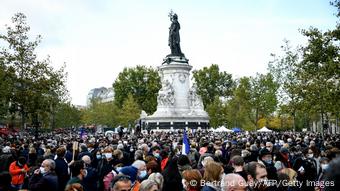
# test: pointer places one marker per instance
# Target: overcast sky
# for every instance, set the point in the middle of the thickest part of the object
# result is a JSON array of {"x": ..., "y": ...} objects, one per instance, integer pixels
[{"x": 98, "y": 38}]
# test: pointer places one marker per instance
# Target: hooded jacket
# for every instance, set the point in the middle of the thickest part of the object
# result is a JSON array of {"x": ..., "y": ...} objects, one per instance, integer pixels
[{"x": 18, "y": 176}]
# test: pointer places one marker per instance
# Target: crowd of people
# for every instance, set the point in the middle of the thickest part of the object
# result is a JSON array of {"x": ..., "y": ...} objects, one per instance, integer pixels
[{"x": 156, "y": 161}]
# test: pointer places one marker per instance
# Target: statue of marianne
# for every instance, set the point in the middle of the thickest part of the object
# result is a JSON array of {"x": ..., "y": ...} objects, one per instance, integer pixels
[{"x": 174, "y": 39}]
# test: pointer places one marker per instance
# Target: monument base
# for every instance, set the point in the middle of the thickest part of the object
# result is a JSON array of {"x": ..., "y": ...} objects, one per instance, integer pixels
[
  {"x": 178, "y": 105},
  {"x": 175, "y": 123}
]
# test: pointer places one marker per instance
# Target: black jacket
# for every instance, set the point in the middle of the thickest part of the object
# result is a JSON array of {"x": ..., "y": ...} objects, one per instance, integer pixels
[
  {"x": 61, "y": 169},
  {"x": 44, "y": 182}
]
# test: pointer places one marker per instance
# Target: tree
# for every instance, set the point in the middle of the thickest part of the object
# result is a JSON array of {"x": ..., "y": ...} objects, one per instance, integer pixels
[
  {"x": 212, "y": 83},
  {"x": 142, "y": 83},
  {"x": 129, "y": 113},
  {"x": 35, "y": 86},
  {"x": 101, "y": 114},
  {"x": 285, "y": 70},
  {"x": 217, "y": 113},
  {"x": 319, "y": 72},
  {"x": 5, "y": 90},
  {"x": 263, "y": 96},
  {"x": 239, "y": 107},
  {"x": 67, "y": 115}
]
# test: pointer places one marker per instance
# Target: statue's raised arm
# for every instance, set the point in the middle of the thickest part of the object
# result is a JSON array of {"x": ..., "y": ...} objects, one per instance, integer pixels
[{"x": 174, "y": 39}]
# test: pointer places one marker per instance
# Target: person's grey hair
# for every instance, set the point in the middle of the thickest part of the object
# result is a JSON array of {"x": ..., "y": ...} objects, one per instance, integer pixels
[
  {"x": 114, "y": 184},
  {"x": 158, "y": 178},
  {"x": 138, "y": 164},
  {"x": 232, "y": 180},
  {"x": 138, "y": 154},
  {"x": 147, "y": 185},
  {"x": 51, "y": 164},
  {"x": 120, "y": 146},
  {"x": 253, "y": 147},
  {"x": 218, "y": 153}
]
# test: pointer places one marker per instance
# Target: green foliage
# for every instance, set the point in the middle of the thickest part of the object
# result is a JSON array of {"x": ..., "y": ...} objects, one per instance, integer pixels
[
  {"x": 5, "y": 90},
  {"x": 35, "y": 86},
  {"x": 239, "y": 107},
  {"x": 217, "y": 113},
  {"x": 263, "y": 96},
  {"x": 67, "y": 115},
  {"x": 285, "y": 70},
  {"x": 319, "y": 72},
  {"x": 142, "y": 83},
  {"x": 101, "y": 114},
  {"x": 129, "y": 113},
  {"x": 212, "y": 83}
]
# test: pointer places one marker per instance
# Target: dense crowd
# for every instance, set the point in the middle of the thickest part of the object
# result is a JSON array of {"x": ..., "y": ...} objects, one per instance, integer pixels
[{"x": 156, "y": 161}]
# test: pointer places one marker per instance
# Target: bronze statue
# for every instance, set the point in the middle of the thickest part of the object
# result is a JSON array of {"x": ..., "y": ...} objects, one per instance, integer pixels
[{"x": 174, "y": 39}]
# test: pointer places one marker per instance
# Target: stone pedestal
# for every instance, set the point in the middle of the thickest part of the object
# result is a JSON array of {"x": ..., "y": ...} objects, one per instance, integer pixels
[{"x": 178, "y": 105}]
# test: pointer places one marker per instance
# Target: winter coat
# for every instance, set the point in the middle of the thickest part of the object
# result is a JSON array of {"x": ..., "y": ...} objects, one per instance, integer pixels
[
  {"x": 48, "y": 182},
  {"x": 18, "y": 176}
]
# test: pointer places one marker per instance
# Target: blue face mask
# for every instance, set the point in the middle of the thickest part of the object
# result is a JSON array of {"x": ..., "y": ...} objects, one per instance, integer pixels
[
  {"x": 269, "y": 161},
  {"x": 99, "y": 156},
  {"x": 143, "y": 174},
  {"x": 156, "y": 155}
]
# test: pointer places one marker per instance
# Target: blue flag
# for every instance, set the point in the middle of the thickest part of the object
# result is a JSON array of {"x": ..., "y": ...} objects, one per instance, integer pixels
[
  {"x": 82, "y": 132},
  {"x": 186, "y": 145}
]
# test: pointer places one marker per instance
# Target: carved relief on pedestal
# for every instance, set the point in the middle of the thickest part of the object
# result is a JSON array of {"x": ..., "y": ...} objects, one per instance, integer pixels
[
  {"x": 195, "y": 101},
  {"x": 166, "y": 95},
  {"x": 182, "y": 77}
]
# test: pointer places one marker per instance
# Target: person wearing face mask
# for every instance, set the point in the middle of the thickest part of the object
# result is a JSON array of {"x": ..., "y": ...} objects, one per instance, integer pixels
[
  {"x": 266, "y": 158},
  {"x": 156, "y": 153},
  {"x": 18, "y": 170},
  {"x": 79, "y": 172},
  {"x": 97, "y": 156},
  {"x": 90, "y": 181},
  {"x": 105, "y": 165},
  {"x": 306, "y": 168},
  {"x": 324, "y": 167},
  {"x": 141, "y": 166},
  {"x": 45, "y": 177}
]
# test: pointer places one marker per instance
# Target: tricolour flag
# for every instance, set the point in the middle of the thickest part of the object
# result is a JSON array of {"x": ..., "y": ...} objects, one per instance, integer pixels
[{"x": 186, "y": 145}]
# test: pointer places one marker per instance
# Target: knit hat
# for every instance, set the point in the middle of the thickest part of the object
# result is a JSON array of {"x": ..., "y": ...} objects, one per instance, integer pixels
[
  {"x": 264, "y": 152},
  {"x": 284, "y": 150},
  {"x": 130, "y": 171}
]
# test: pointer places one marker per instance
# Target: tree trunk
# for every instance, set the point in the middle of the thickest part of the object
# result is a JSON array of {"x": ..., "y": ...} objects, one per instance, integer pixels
[
  {"x": 294, "y": 125},
  {"x": 23, "y": 119}
]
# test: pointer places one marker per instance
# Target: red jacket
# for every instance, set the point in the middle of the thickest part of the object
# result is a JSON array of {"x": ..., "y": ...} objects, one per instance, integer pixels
[{"x": 16, "y": 171}]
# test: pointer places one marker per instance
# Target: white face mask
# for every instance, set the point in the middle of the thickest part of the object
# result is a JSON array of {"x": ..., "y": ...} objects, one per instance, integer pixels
[
  {"x": 324, "y": 166},
  {"x": 42, "y": 170},
  {"x": 184, "y": 184},
  {"x": 108, "y": 155},
  {"x": 85, "y": 173},
  {"x": 310, "y": 155}
]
